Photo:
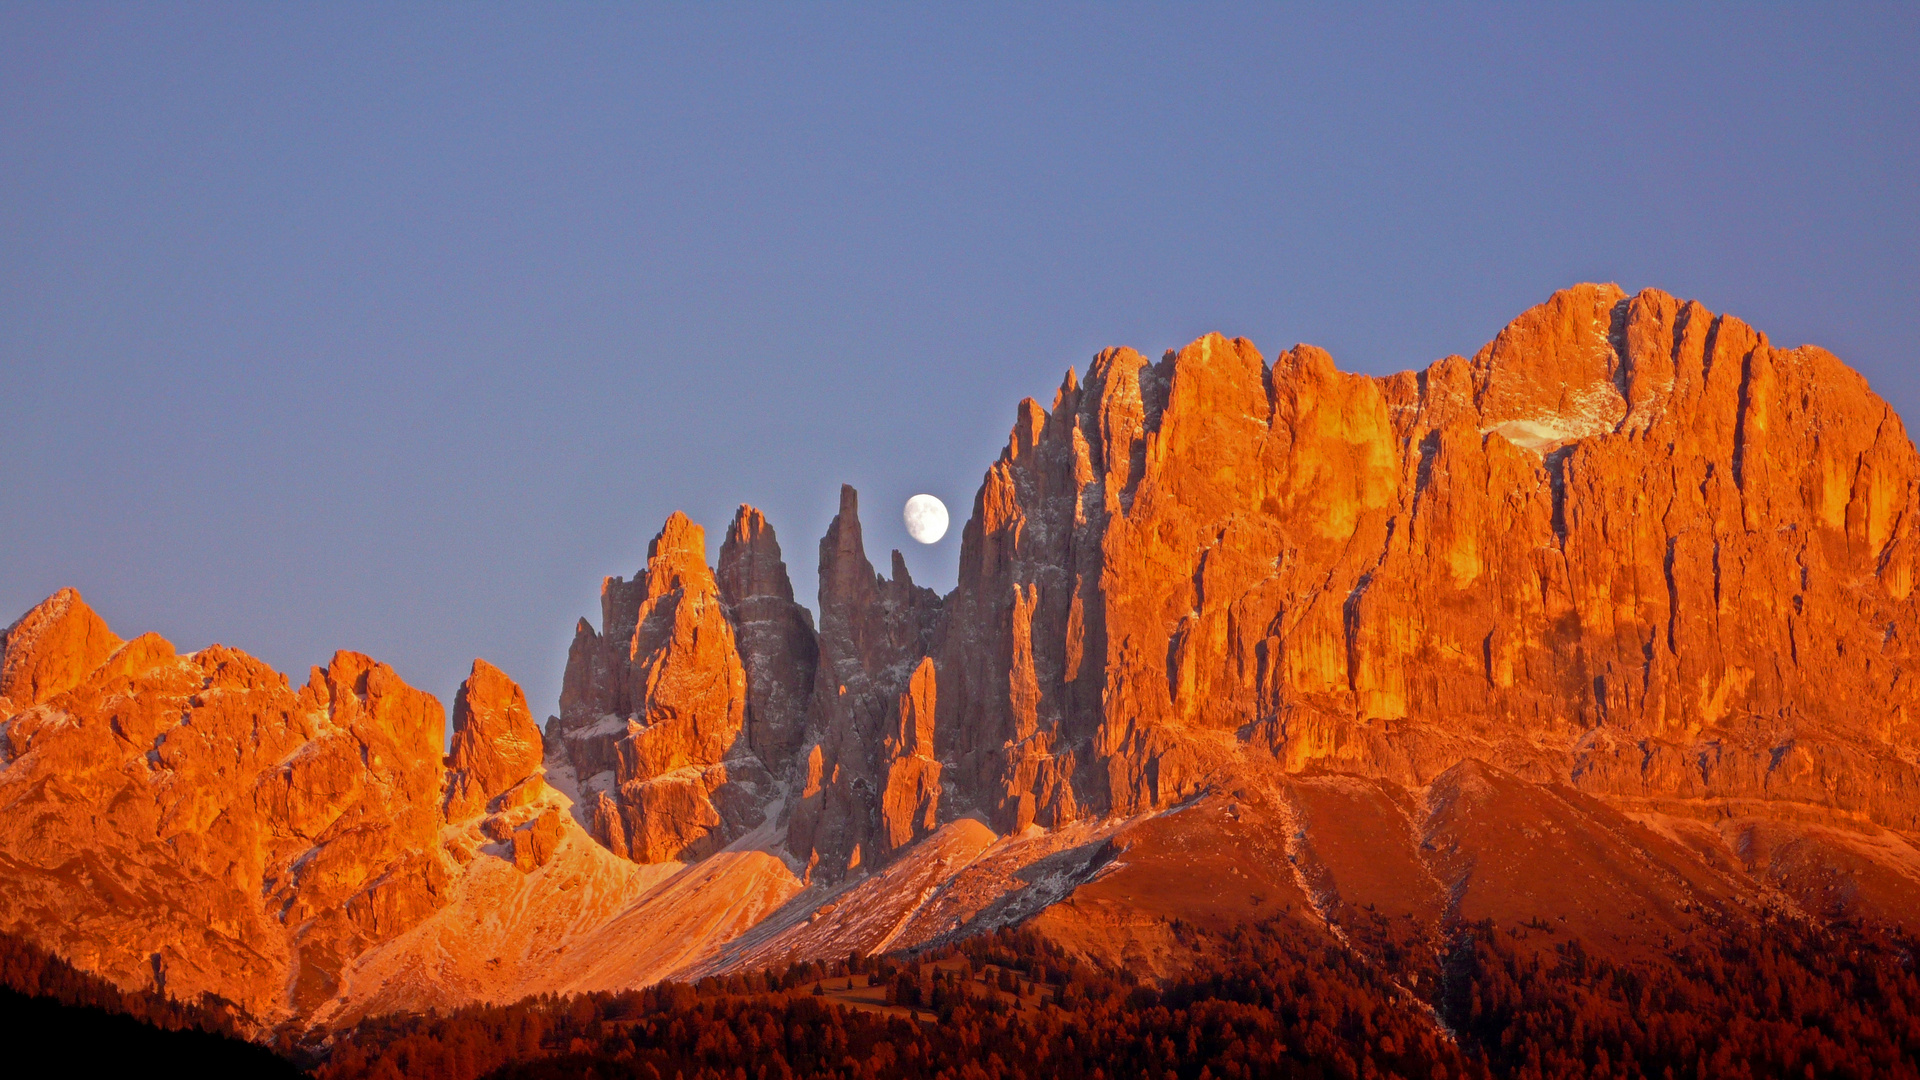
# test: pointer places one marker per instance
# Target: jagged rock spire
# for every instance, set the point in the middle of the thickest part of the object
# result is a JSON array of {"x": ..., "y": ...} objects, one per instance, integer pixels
[
  {"x": 775, "y": 637},
  {"x": 48, "y": 650},
  {"x": 496, "y": 746},
  {"x": 874, "y": 633}
]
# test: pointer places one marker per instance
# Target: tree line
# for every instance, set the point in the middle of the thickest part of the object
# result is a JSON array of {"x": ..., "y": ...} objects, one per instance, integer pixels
[
  {"x": 1768, "y": 999},
  {"x": 1747, "y": 999}
]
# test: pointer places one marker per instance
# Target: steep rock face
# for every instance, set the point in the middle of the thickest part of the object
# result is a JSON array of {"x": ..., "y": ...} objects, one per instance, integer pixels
[
  {"x": 910, "y": 799},
  {"x": 1629, "y": 545},
  {"x": 49, "y": 650},
  {"x": 775, "y": 637},
  {"x": 844, "y": 715},
  {"x": 1024, "y": 645},
  {"x": 196, "y": 825},
  {"x": 496, "y": 746},
  {"x": 653, "y": 710},
  {"x": 874, "y": 632},
  {"x": 369, "y": 785}
]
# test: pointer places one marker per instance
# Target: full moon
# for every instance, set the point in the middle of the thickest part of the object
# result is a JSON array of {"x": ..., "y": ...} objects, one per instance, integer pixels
[{"x": 926, "y": 518}]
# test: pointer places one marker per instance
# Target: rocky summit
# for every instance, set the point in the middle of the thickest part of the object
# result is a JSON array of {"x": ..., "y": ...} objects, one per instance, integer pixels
[{"x": 1609, "y": 624}]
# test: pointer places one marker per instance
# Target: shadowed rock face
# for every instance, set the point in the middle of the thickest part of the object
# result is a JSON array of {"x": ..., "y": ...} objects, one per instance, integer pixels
[
  {"x": 874, "y": 632},
  {"x": 1630, "y": 575},
  {"x": 775, "y": 636},
  {"x": 722, "y": 684}
]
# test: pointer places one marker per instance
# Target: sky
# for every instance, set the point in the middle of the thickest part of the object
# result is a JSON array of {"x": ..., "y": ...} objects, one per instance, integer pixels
[{"x": 395, "y": 328}]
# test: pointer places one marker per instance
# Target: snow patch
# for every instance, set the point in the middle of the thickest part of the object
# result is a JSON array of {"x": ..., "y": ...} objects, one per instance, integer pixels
[
  {"x": 1594, "y": 410},
  {"x": 608, "y": 724}
]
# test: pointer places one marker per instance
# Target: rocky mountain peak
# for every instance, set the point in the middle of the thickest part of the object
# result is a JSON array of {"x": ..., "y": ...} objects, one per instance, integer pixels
[
  {"x": 774, "y": 635},
  {"x": 1511, "y": 557},
  {"x": 874, "y": 633},
  {"x": 270, "y": 835},
  {"x": 849, "y": 594},
  {"x": 496, "y": 747},
  {"x": 750, "y": 562},
  {"x": 654, "y": 710},
  {"x": 677, "y": 559},
  {"x": 50, "y": 649}
]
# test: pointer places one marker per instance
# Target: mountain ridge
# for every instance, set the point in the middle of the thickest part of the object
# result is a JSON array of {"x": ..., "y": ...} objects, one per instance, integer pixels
[{"x": 1228, "y": 635}]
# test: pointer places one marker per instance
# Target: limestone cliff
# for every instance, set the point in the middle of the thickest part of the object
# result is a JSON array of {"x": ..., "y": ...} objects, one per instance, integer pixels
[
  {"x": 1630, "y": 545},
  {"x": 496, "y": 748},
  {"x": 775, "y": 636},
  {"x": 50, "y": 649},
  {"x": 197, "y": 825}
]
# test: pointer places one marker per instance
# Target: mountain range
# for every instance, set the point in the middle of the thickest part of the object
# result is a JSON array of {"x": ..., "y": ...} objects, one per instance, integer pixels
[{"x": 1604, "y": 631}]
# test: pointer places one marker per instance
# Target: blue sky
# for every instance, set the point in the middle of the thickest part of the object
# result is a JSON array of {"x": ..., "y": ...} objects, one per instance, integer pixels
[{"x": 395, "y": 328}]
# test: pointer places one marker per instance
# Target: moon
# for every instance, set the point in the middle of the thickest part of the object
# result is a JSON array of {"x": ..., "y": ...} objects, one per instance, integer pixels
[{"x": 926, "y": 518}]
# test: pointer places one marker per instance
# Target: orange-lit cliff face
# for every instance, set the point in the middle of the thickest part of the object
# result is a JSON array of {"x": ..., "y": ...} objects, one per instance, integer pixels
[
  {"x": 197, "y": 824},
  {"x": 1629, "y": 546},
  {"x": 1604, "y": 625}
]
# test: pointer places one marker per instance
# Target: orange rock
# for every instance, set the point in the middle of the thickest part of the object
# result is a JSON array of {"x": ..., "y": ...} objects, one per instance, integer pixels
[
  {"x": 50, "y": 649},
  {"x": 194, "y": 819},
  {"x": 910, "y": 802},
  {"x": 653, "y": 711},
  {"x": 1630, "y": 545},
  {"x": 495, "y": 743},
  {"x": 534, "y": 842}
]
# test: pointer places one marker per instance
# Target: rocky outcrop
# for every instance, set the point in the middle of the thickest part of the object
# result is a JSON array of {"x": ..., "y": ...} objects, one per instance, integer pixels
[
  {"x": 496, "y": 747},
  {"x": 49, "y": 650},
  {"x": 653, "y": 710},
  {"x": 910, "y": 800},
  {"x": 535, "y": 842},
  {"x": 774, "y": 634},
  {"x": 843, "y": 715},
  {"x": 196, "y": 825},
  {"x": 361, "y": 806},
  {"x": 874, "y": 632}
]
